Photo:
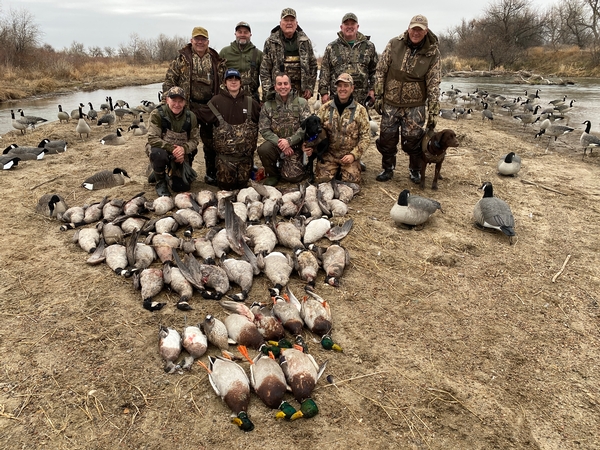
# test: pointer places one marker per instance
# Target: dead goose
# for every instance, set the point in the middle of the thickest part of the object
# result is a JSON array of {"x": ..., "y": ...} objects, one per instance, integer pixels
[
  {"x": 111, "y": 233},
  {"x": 114, "y": 138},
  {"x": 175, "y": 279},
  {"x": 87, "y": 238},
  {"x": 413, "y": 210},
  {"x": 116, "y": 259},
  {"x": 262, "y": 239},
  {"x": 82, "y": 126},
  {"x": 74, "y": 216},
  {"x": 509, "y": 165},
  {"x": 205, "y": 250},
  {"x": 93, "y": 213},
  {"x": 136, "y": 205},
  {"x": 105, "y": 179},
  {"x": 220, "y": 241},
  {"x": 334, "y": 261},
  {"x": 150, "y": 282},
  {"x": 9, "y": 161},
  {"x": 51, "y": 205},
  {"x": 113, "y": 209},
  {"x": 307, "y": 265},
  {"x": 161, "y": 205},
  {"x": 492, "y": 212},
  {"x": 165, "y": 245},
  {"x": 277, "y": 267},
  {"x": 189, "y": 217},
  {"x": 169, "y": 347},
  {"x": 241, "y": 273},
  {"x": 289, "y": 234},
  {"x": 195, "y": 343}
]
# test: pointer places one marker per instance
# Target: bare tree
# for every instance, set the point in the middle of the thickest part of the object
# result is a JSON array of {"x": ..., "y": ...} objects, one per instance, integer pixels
[{"x": 19, "y": 34}]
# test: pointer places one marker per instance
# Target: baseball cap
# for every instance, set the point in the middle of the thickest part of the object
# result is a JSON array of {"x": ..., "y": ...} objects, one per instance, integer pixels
[
  {"x": 350, "y": 16},
  {"x": 346, "y": 78},
  {"x": 175, "y": 91},
  {"x": 419, "y": 21},
  {"x": 200, "y": 31},
  {"x": 243, "y": 24},
  {"x": 288, "y": 12},
  {"x": 232, "y": 73}
]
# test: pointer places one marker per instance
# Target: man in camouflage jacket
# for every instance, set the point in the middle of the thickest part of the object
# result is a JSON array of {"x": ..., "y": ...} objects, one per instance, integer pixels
[
  {"x": 288, "y": 49},
  {"x": 346, "y": 123},
  {"x": 243, "y": 56},
  {"x": 407, "y": 82},
  {"x": 198, "y": 70},
  {"x": 353, "y": 53},
  {"x": 279, "y": 124}
]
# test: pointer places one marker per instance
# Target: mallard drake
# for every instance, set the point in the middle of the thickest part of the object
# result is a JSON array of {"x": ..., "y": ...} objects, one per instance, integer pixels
[
  {"x": 242, "y": 330},
  {"x": 492, "y": 212},
  {"x": 268, "y": 325},
  {"x": 267, "y": 380},
  {"x": 169, "y": 347},
  {"x": 288, "y": 312},
  {"x": 510, "y": 164},
  {"x": 195, "y": 343},
  {"x": 413, "y": 210},
  {"x": 302, "y": 373},
  {"x": 316, "y": 314},
  {"x": 105, "y": 179},
  {"x": 230, "y": 382}
]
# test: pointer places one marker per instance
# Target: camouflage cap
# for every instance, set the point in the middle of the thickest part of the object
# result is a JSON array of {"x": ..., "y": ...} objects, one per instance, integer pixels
[
  {"x": 350, "y": 16},
  {"x": 175, "y": 91},
  {"x": 288, "y": 12},
  {"x": 200, "y": 31},
  {"x": 419, "y": 21},
  {"x": 243, "y": 24},
  {"x": 346, "y": 78}
]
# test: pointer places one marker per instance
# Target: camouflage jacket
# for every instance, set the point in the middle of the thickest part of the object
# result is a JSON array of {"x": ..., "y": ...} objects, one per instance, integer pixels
[
  {"x": 177, "y": 124},
  {"x": 181, "y": 71},
  {"x": 279, "y": 119},
  {"x": 273, "y": 57},
  {"x": 350, "y": 133},
  {"x": 247, "y": 61},
  {"x": 408, "y": 78},
  {"x": 359, "y": 60}
]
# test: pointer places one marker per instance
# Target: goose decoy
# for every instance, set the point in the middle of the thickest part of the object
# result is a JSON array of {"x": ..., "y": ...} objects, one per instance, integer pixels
[
  {"x": 413, "y": 210},
  {"x": 18, "y": 124},
  {"x": 510, "y": 164},
  {"x": 82, "y": 126},
  {"x": 53, "y": 146},
  {"x": 108, "y": 118},
  {"x": 121, "y": 103},
  {"x": 492, "y": 212},
  {"x": 588, "y": 140},
  {"x": 51, "y": 205},
  {"x": 114, "y": 138},
  {"x": 9, "y": 161},
  {"x": 62, "y": 115},
  {"x": 558, "y": 101},
  {"x": 25, "y": 153},
  {"x": 105, "y": 179},
  {"x": 528, "y": 118},
  {"x": 92, "y": 113},
  {"x": 32, "y": 121},
  {"x": 230, "y": 382}
]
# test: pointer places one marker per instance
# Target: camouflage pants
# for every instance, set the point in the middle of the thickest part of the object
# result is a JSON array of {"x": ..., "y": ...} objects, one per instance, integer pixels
[
  {"x": 405, "y": 123},
  {"x": 289, "y": 168},
  {"x": 233, "y": 173},
  {"x": 327, "y": 170},
  {"x": 206, "y": 135}
]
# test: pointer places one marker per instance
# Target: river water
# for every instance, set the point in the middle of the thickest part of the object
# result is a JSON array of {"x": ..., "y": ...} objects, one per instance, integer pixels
[{"x": 586, "y": 92}]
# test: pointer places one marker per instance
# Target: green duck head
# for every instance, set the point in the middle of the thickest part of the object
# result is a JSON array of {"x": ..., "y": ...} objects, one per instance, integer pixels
[
  {"x": 286, "y": 411},
  {"x": 328, "y": 344},
  {"x": 308, "y": 409},
  {"x": 266, "y": 349},
  {"x": 243, "y": 421}
]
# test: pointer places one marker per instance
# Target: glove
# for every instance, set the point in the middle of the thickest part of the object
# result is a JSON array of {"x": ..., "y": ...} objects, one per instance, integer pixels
[
  {"x": 378, "y": 106},
  {"x": 431, "y": 121}
]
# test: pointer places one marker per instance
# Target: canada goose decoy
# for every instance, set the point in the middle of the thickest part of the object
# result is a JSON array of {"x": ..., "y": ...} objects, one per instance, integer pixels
[
  {"x": 121, "y": 103},
  {"x": 105, "y": 179},
  {"x": 108, "y": 118},
  {"x": 62, "y": 115},
  {"x": 82, "y": 126},
  {"x": 562, "y": 109},
  {"x": 25, "y": 153},
  {"x": 114, "y": 138},
  {"x": 588, "y": 140},
  {"x": 92, "y": 113},
  {"x": 32, "y": 121},
  {"x": 51, "y": 205},
  {"x": 510, "y": 164},
  {"x": 492, "y": 212},
  {"x": 53, "y": 146},
  {"x": 75, "y": 112},
  {"x": 137, "y": 130},
  {"x": 533, "y": 97},
  {"x": 9, "y": 161},
  {"x": 18, "y": 124},
  {"x": 413, "y": 210}
]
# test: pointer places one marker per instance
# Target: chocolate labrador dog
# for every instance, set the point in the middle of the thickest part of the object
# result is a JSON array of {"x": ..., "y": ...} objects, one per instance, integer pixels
[{"x": 434, "y": 152}]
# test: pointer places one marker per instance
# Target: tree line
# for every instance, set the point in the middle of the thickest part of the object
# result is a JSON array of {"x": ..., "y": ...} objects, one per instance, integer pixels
[{"x": 502, "y": 35}]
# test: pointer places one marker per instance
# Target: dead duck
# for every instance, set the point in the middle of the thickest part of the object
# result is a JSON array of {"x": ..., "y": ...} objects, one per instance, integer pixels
[
  {"x": 150, "y": 282},
  {"x": 195, "y": 343},
  {"x": 169, "y": 347},
  {"x": 301, "y": 373},
  {"x": 492, "y": 212},
  {"x": 288, "y": 312},
  {"x": 509, "y": 165},
  {"x": 177, "y": 282},
  {"x": 240, "y": 325},
  {"x": 316, "y": 314},
  {"x": 413, "y": 210},
  {"x": 268, "y": 380},
  {"x": 268, "y": 325},
  {"x": 114, "y": 138},
  {"x": 230, "y": 382},
  {"x": 105, "y": 179},
  {"x": 51, "y": 205}
]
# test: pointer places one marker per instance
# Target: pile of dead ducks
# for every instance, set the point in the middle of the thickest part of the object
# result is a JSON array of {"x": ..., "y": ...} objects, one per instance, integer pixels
[{"x": 208, "y": 242}]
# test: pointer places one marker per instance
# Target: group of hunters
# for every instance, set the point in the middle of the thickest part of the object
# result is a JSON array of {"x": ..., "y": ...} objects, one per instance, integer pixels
[{"x": 216, "y": 97}]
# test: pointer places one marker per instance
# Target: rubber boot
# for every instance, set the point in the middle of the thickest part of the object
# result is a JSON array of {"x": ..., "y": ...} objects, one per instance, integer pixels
[{"x": 162, "y": 188}]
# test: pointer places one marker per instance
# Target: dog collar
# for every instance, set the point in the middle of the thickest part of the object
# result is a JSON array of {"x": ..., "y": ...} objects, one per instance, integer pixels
[{"x": 312, "y": 138}]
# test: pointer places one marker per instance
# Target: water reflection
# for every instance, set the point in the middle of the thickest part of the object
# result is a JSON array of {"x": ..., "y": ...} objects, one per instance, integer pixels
[{"x": 47, "y": 107}]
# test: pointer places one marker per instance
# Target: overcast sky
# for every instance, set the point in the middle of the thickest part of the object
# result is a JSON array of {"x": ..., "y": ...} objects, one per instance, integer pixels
[{"x": 111, "y": 22}]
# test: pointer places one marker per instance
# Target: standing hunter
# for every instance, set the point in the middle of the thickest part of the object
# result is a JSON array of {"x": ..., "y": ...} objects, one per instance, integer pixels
[
  {"x": 352, "y": 53},
  {"x": 407, "y": 89},
  {"x": 198, "y": 70},
  {"x": 289, "y": 50},
  {"x": 243, "y": 56}
]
